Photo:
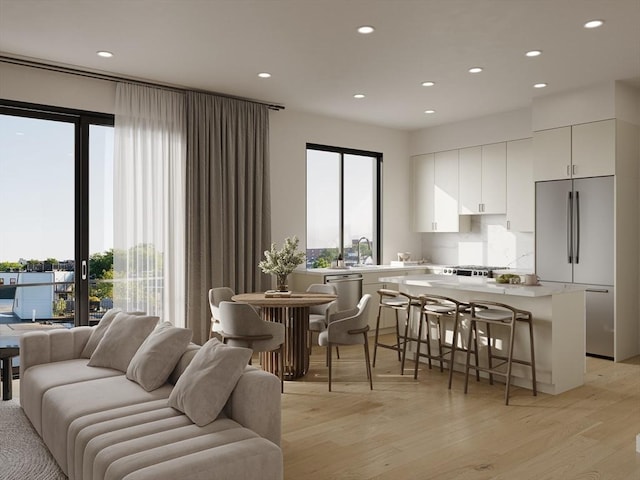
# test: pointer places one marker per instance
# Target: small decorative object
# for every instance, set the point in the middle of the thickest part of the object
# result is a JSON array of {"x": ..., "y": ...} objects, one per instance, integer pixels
[{"x": 282, "y": 262}]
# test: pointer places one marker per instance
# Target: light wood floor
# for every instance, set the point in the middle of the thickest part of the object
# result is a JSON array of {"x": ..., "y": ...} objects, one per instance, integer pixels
[{"x": 406, "y": 429}]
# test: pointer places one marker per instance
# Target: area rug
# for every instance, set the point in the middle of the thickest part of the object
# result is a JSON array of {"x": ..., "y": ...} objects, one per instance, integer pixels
[{"x": 23, "y": 455}]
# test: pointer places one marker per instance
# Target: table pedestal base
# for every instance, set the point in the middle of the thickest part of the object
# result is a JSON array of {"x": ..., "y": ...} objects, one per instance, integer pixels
[{"x": 296, "y": 351}]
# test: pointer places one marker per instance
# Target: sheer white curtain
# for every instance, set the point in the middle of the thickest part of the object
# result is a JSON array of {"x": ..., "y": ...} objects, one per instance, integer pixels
[{"x": 149, "y": 202}]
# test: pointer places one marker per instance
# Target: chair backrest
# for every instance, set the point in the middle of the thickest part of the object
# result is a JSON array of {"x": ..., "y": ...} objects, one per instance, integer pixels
[
  {"x": 217, "y": 295},
  {"x": 325, "y": 288},
  {"x": 240, "y": 320},
  {"x": 363, "y": 311}
]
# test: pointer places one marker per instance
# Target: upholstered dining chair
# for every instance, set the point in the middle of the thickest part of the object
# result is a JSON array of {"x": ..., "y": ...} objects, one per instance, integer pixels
[
  {"x": 217, "y": 295},
  {"x": 242, "y": 326},
  {"x": 319, "y": 314},
  {"x": 348, "y": 327}
]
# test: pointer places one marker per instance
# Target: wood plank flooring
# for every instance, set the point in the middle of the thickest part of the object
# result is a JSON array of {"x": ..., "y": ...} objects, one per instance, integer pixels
[{"x": 406, "y": 429}]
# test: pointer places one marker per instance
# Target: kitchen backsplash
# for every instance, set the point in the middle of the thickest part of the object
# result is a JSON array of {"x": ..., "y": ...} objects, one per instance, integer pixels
[{"x": 487, "y": 243}]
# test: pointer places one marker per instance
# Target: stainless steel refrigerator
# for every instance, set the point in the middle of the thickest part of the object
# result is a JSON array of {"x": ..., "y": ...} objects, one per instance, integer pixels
[{"x": 574, "y": 244}]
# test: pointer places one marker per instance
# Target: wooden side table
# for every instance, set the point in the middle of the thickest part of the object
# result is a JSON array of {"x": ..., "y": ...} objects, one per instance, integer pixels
[{"x": 7, "y": 352}]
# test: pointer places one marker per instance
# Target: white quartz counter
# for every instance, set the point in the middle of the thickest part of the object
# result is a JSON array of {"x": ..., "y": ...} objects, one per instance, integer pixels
[
  {"x": 484, "y": 285},
  {"x": 364, "y": 269}
]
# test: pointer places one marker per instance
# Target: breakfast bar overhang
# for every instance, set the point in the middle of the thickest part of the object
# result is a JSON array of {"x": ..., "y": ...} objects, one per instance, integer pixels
[{"x": 558, "y": 319}]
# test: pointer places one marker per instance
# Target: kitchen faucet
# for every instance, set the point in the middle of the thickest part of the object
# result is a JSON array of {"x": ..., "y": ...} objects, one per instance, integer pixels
[{"x": 360, "y": 262}]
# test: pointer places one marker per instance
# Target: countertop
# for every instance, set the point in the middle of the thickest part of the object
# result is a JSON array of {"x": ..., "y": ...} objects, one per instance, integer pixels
[
  {"x": 364, "y": 269},
  {"x": 482, "y": 285}
]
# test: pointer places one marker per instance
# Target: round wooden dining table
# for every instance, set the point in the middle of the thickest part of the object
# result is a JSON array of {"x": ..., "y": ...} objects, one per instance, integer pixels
[{"x": 293, "y": 312}]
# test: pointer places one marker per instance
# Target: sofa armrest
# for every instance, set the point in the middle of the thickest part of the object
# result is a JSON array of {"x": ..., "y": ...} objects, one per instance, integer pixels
[
  {"x": 52, "y": 346},
  {"x": 255, "y": 404}
]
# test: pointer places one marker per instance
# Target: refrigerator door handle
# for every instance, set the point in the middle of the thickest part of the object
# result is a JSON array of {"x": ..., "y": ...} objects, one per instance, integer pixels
[
  {"x": 577, "y": 229},
  {"x": 569, "y": 229}
]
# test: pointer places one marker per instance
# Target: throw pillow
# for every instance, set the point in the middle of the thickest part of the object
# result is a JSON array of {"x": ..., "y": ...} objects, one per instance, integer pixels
[
  {"x": 98, "y": 332},
  {"x": 121, "y": 341},
  {"x": 158, "y": 355},
  {"x": 205, "y": 386}
]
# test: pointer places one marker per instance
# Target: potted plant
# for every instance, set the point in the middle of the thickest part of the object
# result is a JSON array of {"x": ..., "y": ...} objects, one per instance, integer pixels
[{"x": 282, "y": 262}]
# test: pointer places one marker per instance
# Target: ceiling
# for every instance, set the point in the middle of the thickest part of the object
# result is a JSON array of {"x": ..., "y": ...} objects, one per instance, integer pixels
[{"x": 318, "y": 61}]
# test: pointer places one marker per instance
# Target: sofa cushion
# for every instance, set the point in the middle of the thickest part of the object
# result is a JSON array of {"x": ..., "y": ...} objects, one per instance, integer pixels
[
  {"x": 203, "y": 389},
  {"x": 66, "y": 403},
  {"x": 158, "y": 355},
  {"x": 98, "y": 332},
  {"x": 121, "y": 341}
]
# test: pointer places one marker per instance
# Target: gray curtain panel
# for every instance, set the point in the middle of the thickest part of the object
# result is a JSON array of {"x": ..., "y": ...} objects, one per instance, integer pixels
[{"x": 228, "y": 201}]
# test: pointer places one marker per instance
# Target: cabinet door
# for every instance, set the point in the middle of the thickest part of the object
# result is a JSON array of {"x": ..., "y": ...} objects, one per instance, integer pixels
[
  {"x": 469, "y": 185},
  {"x": 520, "y": 186},
  {"x": 552, "y": 154},
  {"x": 494, "y": 178},
  {"x": 446, "y": 192},
  {"x": 423, "y": 193},
  {"x": 593, "y": 149}
]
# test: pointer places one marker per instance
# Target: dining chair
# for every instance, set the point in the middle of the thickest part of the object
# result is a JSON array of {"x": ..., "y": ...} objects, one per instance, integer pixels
[
  {"x": 319, "y": 314},
  {"x": 348, "y": 327},
  {"x": 217, "y": 295},
  {"x": 242, "y": 326}
]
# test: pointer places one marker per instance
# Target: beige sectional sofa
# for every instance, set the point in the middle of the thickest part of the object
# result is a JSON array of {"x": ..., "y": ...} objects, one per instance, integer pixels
[{"x": 99, "y": 424}]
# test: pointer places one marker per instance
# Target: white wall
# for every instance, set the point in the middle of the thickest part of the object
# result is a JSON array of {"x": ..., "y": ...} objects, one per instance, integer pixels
[
  {"x": 290, "y": 131},
  {"x": 499, "y": 127}
]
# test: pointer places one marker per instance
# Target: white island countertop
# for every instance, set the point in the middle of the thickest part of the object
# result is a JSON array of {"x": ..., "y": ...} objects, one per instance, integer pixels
[{"x": 485, "y": 285}]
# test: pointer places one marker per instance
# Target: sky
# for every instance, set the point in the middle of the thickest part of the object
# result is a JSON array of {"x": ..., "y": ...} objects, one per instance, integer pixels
[{"x": 37, "y": 189}]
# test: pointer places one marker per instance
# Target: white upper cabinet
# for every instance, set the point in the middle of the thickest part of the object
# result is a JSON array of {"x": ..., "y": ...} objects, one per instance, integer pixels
[
  {"x": 552, "y": 154},
  {"x": 520, "y": 186},
  {"x": 585, "y": 150},
  {"x": 483, "y": 179},
  {"x": 593, "y": 149},
  {"x": 435, "y": 193}
]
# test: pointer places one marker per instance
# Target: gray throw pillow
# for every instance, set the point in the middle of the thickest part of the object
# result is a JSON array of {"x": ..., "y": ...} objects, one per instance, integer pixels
[
  {"x": 121, "y": 341},
  {"x": 158, "y": 355},
  {"x": 98, "y": 332},
  {"x": 205, "y": 386}
]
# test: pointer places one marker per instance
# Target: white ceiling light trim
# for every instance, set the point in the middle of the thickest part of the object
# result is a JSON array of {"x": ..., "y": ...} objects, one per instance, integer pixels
[
  {"x": 359, "y": 95},
  {"x": 264, "y": 75},
  {"x": 475, "y": 70},
  {"x": 428, "y": 84},
  {"x": 366, "y": 29},
  {"x": 533, "y": 53},
  {"x": 429, "y": 112},
  {"x": 594, "y": 23},
  {"x": 104, "y": 54},
  {"x": 539, "y": 85}
]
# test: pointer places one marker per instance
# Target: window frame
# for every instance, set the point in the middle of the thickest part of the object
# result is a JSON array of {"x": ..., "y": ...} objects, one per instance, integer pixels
[{"x": 377, "y": 240}]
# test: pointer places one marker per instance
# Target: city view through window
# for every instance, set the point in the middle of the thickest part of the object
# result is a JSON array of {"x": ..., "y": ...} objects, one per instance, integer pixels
[{"x": 38, "y": 166}]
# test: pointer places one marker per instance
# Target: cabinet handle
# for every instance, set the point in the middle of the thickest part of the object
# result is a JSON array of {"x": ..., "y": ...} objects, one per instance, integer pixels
[
  {"x": 573, "y": 169},
  {"x": 435, "y": 225},
  {"x": 568, "y": 170},
  {"x": 508, "y": 224}
]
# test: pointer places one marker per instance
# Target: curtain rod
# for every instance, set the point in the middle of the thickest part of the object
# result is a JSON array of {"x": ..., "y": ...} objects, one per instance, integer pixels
[{"x": 115, "y": 78}]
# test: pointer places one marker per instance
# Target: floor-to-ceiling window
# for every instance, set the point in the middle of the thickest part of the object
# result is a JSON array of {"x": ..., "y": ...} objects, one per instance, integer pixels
[
  {"x": 56, "y": 220},
  {"x": 343, "y": 206}
]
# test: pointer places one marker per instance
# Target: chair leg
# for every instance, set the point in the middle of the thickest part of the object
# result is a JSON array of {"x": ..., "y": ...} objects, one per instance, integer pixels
[
  {"x": 398, "y": 335},
  {"x": 428, "y": 339},
  {"x": 329, "y": 363},
  {"x": 406, "y": 339},
  {"x": 472, "y": 329},
  {"x": 440, "y": 341},
  {"x": 454, "y": 344},
  {"x": 512, "y": 337},
  {"x": 418, "y": 343},
  {"x": 366, "y": 358},
  {"x": 375, "y": 341},
  {"x": 533, "y": 358},
  {"x": 489, "y": 353},
  {"x": 281, "y": 367}
]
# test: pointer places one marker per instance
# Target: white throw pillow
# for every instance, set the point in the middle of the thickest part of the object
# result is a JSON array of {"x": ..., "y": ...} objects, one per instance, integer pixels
[
  {"x": 98, "y": 332},
  {"x": 121, "y": 341},
  {"x": 205, "y": 386},
  {"x": 158, "y": 355}
]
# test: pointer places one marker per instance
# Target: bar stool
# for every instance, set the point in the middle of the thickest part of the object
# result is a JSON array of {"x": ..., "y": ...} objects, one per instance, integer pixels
[
  {"x": 398, "y": 302},
  {"x": 499, "y": 314},
  {"x": 442, "y": 309}
]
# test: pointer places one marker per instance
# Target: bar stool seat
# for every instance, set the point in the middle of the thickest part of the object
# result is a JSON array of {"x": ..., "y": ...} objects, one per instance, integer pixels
[
  {"x": 504, "y": 316},
  {"x": 398, "y": 302}
]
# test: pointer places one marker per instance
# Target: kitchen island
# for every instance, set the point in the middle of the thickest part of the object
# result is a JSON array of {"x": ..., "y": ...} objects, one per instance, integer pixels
[{"x": 558, "y": 322}]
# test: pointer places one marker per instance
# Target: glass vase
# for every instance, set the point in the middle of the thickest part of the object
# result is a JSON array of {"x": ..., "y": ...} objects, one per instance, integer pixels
[{"x": 281, "y": 283}]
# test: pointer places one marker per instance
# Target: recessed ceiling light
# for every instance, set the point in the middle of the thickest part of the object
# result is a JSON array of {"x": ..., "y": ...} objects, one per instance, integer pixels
[
  {"x": 533, "y": 53},
  {"x": 475, "y": 70},
  {"x": 593, "y": 24},
  {"x": 428, "y": 84},
  {"x": 264, "y": 75},
  {"x": 359, "y": 95},
  {"x": 104, "y": 54},
  {"x": 539, "y": 85},
  {"x": 429, "y": 111},
  {"x": 366, "y": 29}
]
